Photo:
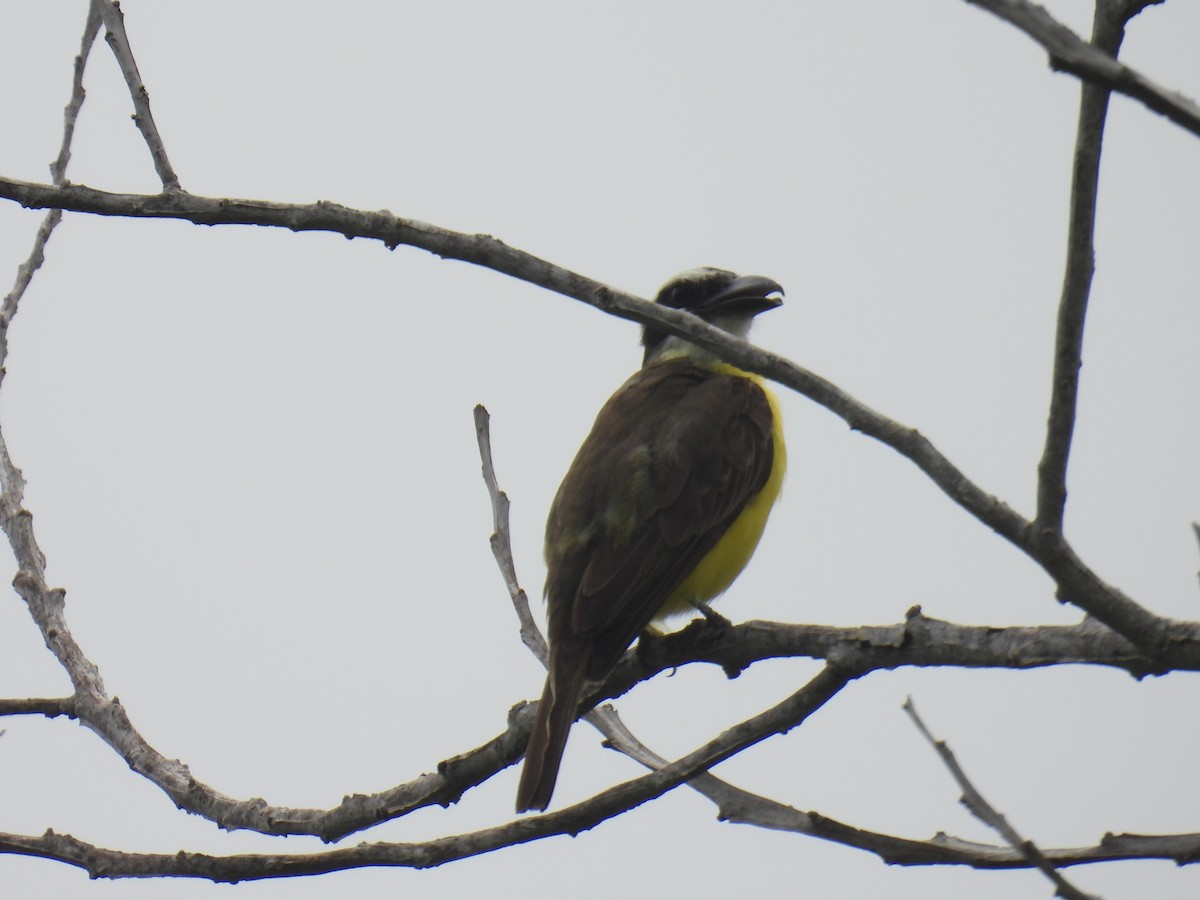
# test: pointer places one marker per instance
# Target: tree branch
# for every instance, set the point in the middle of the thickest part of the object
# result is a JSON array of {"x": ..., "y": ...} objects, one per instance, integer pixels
[
  {"x": 501, "y": 539},
  {"x": 118, "y": 41},
  {"x": 51, "y": 707},
  {"x": 58, "y": 168},
  {"x": 58, "y": 174},
  {"x": 974, "y": 801},
  {"x": 1077, "y": 282},
  {"x": 737, "y": 806},
  {"x": 919, "y": 641},
  {"x": 1077, "y": 583},
  {"x": 101, "y": 863},
  {"x": 1070, "y": 53},
  {"x": 1183, "y": 849}
]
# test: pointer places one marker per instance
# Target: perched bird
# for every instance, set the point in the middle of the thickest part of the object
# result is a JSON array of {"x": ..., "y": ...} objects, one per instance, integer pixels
[{"x": 661, "y": 509}]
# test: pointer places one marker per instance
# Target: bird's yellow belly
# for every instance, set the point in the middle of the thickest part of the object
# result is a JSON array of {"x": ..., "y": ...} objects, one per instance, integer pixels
[{"x": 721, "y": 565}]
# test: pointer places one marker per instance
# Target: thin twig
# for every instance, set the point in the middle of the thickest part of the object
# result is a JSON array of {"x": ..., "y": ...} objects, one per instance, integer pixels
[
  {"x": 501, "y": 539},
  {"x": 58, "y": 169},
  {"x": 50, "y": 707},
  {"x": 15, "y": 521},
  {"x": 1107, "y": 34},
  {"x": 118, "y": 40},
  {"x": 1070, "y": 53},
  {"x": 1072, "y": 309},
  {"x": 991, "y": 817},
  {"x": 58, "y": 173}
]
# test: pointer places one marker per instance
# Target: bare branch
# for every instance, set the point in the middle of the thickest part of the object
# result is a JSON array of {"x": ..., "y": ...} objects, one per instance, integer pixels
[
  {"x": 737, "y": 806},
  {"x": 1077, "y": 583},
  {"x": 1107, "y": 35},
  {"x": 1072, "y": 309},
  {"x": 990, "y": 816},
  {"x": 25, "y": 273},
  {"x": 918, "y": 641},
  {"x": 51, "y": 708},
  {"x": 58, "y": 173},
  {"x": 501, "y": 539},
  {"x": 1070, "y": 53},
  {"x": 118, "y": 40},
  {"x": 58, "y": 168},
  {"x": 101, "y": 863},
  {"x": 15, "y": 521}
]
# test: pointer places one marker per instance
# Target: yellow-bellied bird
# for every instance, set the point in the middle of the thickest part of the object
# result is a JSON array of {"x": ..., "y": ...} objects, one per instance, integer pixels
[{"x": 662, "y": 507}]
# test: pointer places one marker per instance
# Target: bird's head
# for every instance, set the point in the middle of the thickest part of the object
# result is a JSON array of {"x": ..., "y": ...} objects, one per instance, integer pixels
[{"x": 722, "y": 298}]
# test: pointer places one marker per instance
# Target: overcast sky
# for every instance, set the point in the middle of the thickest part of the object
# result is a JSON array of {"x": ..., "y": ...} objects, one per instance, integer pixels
[{"x": 251, "y": 459}]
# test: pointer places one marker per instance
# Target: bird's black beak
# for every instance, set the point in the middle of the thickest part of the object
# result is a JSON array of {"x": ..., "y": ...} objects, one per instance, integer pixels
[{"x": 745, "y": 295}]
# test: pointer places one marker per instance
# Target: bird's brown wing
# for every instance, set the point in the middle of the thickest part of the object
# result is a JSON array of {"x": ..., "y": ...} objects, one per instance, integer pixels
[{"x": 672, "y": 460}]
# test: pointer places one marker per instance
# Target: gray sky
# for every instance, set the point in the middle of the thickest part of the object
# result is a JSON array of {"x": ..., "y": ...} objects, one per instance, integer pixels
[{"x": 251, "y": 459}]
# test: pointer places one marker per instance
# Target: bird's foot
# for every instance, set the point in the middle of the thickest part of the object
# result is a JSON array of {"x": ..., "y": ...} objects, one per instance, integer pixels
[{"x": 712, "y": 618}]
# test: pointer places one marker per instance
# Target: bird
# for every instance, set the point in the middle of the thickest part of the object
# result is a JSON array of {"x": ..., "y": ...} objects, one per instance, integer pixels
[{"x": 662, "y": 507}]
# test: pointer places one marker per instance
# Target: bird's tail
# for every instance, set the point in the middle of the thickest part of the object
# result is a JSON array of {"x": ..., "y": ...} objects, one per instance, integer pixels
[{"x": 548, "y": 739}]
